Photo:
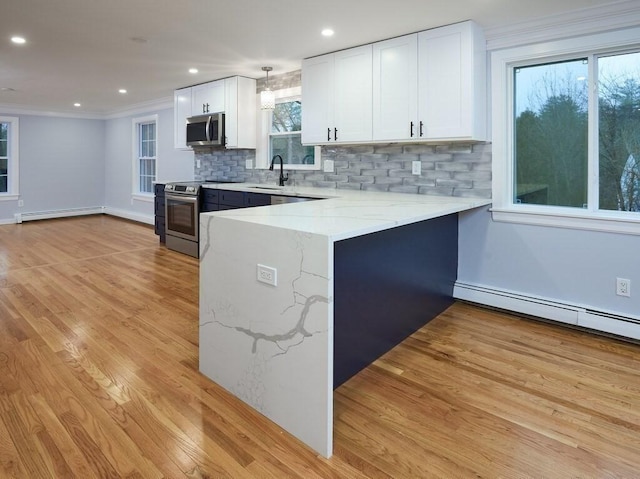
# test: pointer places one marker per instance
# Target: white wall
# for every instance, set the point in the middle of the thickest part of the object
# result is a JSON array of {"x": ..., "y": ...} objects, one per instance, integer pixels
[
  {"x": 172, "y": 165},
  {"x": 61, "y": 165},
  {"x": 569, "y": 266}
]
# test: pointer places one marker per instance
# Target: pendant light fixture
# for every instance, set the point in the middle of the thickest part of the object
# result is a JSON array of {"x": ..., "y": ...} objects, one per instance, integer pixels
[{"x": 267, "y": 98}]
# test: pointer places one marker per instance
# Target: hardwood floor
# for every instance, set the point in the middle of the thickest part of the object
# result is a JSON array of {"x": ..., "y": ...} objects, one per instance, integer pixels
[{"x": 99, "y": 379}]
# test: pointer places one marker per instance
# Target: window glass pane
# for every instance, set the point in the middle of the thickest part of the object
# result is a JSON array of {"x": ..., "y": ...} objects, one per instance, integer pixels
[
  {"x": 550, "y": 147},
  {"x": 3, "y": 166},
  {"x": 290, "y": 148},
  {"x": 287, "y": 116},
  {"x": 4, "y": 131},
  {"x": 3, "y": 184},
  {"x": 3, "y": 148},
  {"x": 619, "y": 132}
]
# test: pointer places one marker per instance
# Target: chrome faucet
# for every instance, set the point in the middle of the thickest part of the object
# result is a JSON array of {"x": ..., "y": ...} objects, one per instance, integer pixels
[{"x": 282, "y": 177}]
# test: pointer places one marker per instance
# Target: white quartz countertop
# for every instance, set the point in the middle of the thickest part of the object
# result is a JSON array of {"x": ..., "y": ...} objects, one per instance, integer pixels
[{"x": 343, "y": 214}]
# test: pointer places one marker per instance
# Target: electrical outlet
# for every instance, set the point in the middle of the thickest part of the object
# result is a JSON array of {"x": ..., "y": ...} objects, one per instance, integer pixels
[
  {"x": 623, "y": 287},
  {"x": 198, "y": 164},
  {"x": 267, "y": 274},
  {"x": 416, "y": 167},
  {"x": 248, "y": 164},
  {"x": 327, "y": 166}
]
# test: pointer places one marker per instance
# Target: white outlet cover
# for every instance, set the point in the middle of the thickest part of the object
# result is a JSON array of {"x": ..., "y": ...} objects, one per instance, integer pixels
[
  {"x": 416, "y": 167},
  {"x": 248, "y": 164},
  {"x": 328, "y": 166},
  {"x": 267, "y": 274}
]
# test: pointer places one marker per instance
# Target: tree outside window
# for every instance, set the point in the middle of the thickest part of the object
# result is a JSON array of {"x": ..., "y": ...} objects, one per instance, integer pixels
[
  {"x": 551, "y": 144},
  {"x": 285, "y": 138}
]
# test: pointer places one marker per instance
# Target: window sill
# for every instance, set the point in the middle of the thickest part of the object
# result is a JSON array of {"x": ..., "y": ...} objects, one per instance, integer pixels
[
  {"x": 608, "y": 222},
  {"x": 9, "y": 197},
  {"x": 145, "y": 197}
]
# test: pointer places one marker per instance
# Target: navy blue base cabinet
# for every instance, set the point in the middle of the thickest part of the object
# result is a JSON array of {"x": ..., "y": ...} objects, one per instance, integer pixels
[
  {"x": 387, "y": 286},
  {"x": 158, "y": 190}
]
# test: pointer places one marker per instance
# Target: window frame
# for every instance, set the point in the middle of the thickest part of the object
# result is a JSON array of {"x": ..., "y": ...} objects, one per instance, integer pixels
[
  {"x": 137, "y": 148},
  {"x": 265, "y": 120},
  {"x": 503, "y": 63},
  {"x": 13, "y": 157}
]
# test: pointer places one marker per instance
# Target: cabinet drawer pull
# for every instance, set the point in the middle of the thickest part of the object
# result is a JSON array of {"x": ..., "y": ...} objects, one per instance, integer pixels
[
  {"x": 335, "y": 134},
  {"x": 411, "y": 133},
  {"x": 328, "y": 134},
  {"x": 421, "y": 132}
]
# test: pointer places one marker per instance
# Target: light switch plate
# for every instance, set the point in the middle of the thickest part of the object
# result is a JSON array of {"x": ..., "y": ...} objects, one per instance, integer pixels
[{"x": 416, "y": 167}]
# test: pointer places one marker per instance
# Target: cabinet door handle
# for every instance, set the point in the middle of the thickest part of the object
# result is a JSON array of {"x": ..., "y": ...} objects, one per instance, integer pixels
[
  {"x": 411, "y": 132},
  {"x": 207, "y": 108},
  {"x": 335, "y": 134},
  {"x": 421, "y": 125},
  {"x": 328, "y": 134}
]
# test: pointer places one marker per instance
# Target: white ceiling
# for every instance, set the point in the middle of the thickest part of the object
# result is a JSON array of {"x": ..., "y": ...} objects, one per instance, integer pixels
[{"x": 85, "y": 50}]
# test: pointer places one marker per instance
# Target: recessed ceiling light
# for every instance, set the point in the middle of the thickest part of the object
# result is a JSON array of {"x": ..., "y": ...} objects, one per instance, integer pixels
[
  {"x": 18, "y": 40},
  {"x": 122, "y": 90},
  {"x": 77, "y": 105},
  {"x": 193, "y": 70},
  {"x": 327, "y": 32}
]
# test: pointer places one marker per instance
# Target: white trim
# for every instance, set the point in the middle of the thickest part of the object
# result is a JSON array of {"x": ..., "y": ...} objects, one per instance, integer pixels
[
  {"x": 625, "y": 325},
  {"x": 135, "y": 143},
  {"x": 13, "y": 153},
  {"x": 64, "y": 213},
  {"x": 145, "y": 197},
  {"x": 611, "y": 16},
  {"x": 502, "y": 62},
  {"x": 608, "y": 223},
  {"x": 140, "y": 218},
  {"x": 136, "y": 109},
  {"x": 9, "y": 197}
]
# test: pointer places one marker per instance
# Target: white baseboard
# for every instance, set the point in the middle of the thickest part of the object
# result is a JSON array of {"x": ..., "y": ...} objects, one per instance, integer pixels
[
  {"x": 140, "y": 218},
  {"x": 605, "y": 321},
  {"x": 44, "y": 215}
]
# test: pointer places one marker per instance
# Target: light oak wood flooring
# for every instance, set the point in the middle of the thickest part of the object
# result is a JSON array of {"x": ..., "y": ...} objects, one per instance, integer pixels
[{"x": 99, "y": 379}]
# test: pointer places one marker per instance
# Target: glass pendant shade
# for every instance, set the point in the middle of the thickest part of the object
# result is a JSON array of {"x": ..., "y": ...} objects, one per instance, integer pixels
[{"x": 267, "y": 100}]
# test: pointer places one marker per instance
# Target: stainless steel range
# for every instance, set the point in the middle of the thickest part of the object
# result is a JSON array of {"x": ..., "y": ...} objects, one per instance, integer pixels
[{"x": 182, "y": 212}]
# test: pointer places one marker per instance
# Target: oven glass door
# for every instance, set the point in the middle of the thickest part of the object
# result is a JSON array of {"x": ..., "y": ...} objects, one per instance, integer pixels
[{"x": 182, "y": 216}]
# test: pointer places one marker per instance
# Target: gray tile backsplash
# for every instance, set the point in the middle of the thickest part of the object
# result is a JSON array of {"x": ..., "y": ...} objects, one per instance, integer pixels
[{"x": 454, "y": 169}]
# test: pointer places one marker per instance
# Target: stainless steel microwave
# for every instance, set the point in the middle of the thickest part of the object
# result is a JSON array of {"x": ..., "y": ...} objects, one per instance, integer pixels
[{"x": 206, "y": 130}]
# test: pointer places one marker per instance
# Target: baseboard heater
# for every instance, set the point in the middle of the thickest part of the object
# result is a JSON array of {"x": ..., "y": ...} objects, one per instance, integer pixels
[
  {"x": 626, "y": 326},
  {"x": 44, "y": 215}
]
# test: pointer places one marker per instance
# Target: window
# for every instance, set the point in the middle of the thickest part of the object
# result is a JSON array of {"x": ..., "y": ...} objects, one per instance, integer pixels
[
  {"x": 280, "y": 133},
  {"x": 285, "y": 138},
  {"x": 8, "y": 158},
  {"x": 567, "y": 133},
  {"x": 145, "y": 155}
]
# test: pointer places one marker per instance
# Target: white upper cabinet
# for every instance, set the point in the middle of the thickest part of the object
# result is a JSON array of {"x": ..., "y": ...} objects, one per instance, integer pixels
[
  {"x": 395, "y": 88},
  {"x": 235, "y": 96},
  {"x": 452, "y": 82},
  {"x": 336, "y": 97},
  {"x": 240, "y": 112},
  {"x": 181, "y": 111},
  {"x": 208, "y": 98}
]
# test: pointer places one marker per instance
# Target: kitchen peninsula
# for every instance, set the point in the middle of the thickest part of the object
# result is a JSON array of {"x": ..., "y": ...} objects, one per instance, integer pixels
[{"x": 296, "y": 298}]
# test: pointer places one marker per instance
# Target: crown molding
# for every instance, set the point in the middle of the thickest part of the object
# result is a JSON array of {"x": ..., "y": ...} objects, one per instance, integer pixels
[
  {"x": 16, "y": 109},
  {"x": 612, "y": 16},
  {"x": 131, "y": 110},
  {"x": 140, "y": 108}
]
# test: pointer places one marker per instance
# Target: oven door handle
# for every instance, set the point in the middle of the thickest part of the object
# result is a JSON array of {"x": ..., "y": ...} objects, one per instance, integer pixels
[{"x": 183, "y": 198}]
